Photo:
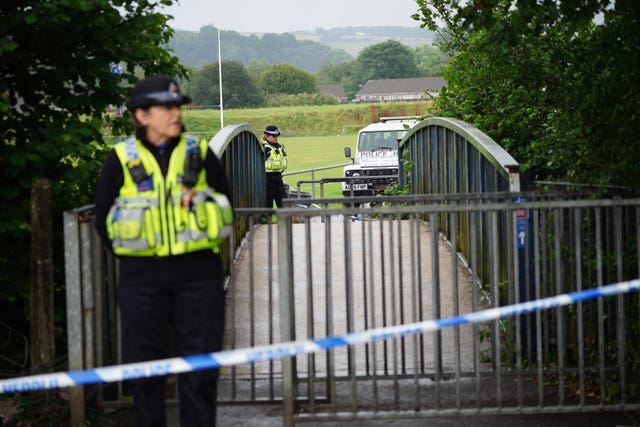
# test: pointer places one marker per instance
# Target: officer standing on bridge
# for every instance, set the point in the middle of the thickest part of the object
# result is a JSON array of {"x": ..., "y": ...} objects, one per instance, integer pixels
[
  {"x": 274, "y": 165},
  {"x": 162, "y": 207}
]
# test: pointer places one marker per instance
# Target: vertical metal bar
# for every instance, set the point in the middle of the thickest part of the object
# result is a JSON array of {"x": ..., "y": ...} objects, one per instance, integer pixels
[
  {"x": 601, "y": 338},
  {"x": 515, "y": 251},
  {"x": 436, "y": 313},
  {"x": 365, "y": 293},
  {"x": 287, "y": 316},
  {"x": 393, "y": 305},
  {"x": 328, "y": 271},
  {"x": 100, "y": 315},
  {"x": 453, "y": 238},
  {"x": 401, "y": 297},
  {"x": 271, "y": 312},
  {"x": 560, "y": 332},
  {"x": 528, "y": 286},
  {"x": 373, "y": 316},
  {"x": 578, "y": 250},
  {"x": 421, "y": 291},
  {"x": 348, "y": 283},
  {"x": 88, "y": 295},
  {"x": 637, "y": 226},
  {"x": 311, "y": 358},
  {"x": 495, "y": 291},
  {"x": 620, "y": 329},
  {"x": 545, "y": 285},
  {"x": 475, "y": 283},
  {"x": 414, "y": 229},
  {"x": 252, "y": 301},
  {"x": 537, "y": 295},
  {"x": 74, "y": 311},
  {"x": 390, "y": 253},
  {"x": 383, "y": 302},
  {"x": 233, "y": 337}
]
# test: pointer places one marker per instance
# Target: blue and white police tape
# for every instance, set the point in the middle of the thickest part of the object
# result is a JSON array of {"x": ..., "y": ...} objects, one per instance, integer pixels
[{"x": 179, "y": 365}]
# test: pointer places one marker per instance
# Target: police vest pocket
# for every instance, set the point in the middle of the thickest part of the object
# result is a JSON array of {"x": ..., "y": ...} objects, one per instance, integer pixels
[
  {"x": 219, "y": 215},
  {"x": 131, "y": 226},
  {"x": 207, "y": 218}
]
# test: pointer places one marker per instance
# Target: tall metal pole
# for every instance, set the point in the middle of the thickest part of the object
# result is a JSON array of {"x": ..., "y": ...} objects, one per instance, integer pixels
[{"x": 220, "y": 81}]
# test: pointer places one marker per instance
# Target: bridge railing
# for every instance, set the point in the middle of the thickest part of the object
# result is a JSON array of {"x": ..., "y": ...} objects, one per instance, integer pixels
[
  {"x": 446, "y": 157},
  {"x": 344, "y": 270}
]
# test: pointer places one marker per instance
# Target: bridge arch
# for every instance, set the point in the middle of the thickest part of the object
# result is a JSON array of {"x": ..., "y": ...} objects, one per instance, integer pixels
[
  {"x": 239, "y": 149},
  {"x": 450, "y": 156},
  {"x": 455, "y": 162}
]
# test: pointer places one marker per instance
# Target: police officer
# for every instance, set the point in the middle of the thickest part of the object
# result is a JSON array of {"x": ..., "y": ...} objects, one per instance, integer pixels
[
  {"x": 275, "y": 164},
  {"x": 162, "y": 207}
]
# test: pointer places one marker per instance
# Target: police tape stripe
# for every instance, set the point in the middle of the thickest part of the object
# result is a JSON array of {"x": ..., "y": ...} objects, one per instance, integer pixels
[{"x": 179, "y": 365}]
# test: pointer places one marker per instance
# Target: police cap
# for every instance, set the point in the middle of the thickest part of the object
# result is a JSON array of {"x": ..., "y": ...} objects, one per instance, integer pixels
[
  {"x": 156, "y": 90},
  {"x": 272, "y": 130}
]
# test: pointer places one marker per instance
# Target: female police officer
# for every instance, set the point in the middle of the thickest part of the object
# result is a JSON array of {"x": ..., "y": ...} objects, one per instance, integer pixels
[{"x": 161, "y": 207}]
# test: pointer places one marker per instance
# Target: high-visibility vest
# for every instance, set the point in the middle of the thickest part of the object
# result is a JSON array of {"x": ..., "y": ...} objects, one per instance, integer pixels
[
  {"x": 151, "y": 215},
  {"x": 277, "y": 159}
]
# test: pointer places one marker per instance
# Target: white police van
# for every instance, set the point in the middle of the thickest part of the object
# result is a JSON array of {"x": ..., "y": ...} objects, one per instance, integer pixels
[{"x": 376, "y": 158}]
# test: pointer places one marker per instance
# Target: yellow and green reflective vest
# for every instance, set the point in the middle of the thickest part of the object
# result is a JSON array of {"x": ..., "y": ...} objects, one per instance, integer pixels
[
  {"x": 148, "y": 217},
  {"x": 277, "y": 159}
]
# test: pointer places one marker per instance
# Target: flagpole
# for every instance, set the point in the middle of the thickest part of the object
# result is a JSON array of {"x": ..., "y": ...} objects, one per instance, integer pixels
[{"x": 220, "y": 80}]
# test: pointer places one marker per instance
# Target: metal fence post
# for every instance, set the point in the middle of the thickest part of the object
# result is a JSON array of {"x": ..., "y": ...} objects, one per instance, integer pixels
[
  {"x": 287, "y": 318},
  {"x": 74, "y": 311}
]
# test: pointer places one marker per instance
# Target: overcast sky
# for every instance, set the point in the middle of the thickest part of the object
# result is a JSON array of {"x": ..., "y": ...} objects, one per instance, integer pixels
[{"x": 280, "y": 16}]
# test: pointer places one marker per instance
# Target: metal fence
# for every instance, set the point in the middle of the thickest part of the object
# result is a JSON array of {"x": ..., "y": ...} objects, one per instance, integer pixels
[
  {"x": 335, "y": 271},
  {"x": 330, "y": 271},
  {"x": 323, "y": 272}
]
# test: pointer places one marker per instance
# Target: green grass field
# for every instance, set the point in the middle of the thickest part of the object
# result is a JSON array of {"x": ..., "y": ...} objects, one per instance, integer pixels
[
  {"x": 308, "y": 152},
  {"x": 307, "y": 120}
]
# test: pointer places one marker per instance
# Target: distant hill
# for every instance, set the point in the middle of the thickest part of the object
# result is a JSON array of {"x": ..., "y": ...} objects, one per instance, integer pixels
[
  {"x": 306, "y": 50},
  {"x": 354, "y": 39}
]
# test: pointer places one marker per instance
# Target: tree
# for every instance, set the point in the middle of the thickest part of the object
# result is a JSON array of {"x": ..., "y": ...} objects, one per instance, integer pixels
[
  {"x": 256, "y": 69},
  {"x": 556, "y": 84},
  {"x": 239, "y": 90},
  {"x": 387, "y": 60},
  {"x": 56, "y": 86},
  {"x": 334, "y": 73},
  {"x": 430, "y": 60},
  {"x": 288, "y": 79}
]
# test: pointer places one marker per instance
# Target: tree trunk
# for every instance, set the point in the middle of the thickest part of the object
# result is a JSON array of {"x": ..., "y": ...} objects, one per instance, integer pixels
[{"x": 42, "y": 315}]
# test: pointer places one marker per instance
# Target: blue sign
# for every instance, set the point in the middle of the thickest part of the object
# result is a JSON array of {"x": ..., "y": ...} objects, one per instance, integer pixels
[
  {"x": 521, "y": 233},
  {"x": 116, "y": 69},
  {"x": 521, "y": 217}
]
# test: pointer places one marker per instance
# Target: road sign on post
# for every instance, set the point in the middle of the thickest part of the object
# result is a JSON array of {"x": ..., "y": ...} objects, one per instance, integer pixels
[
  {"x": 524, "y": 275},
  {"x": 521, "y": 217}
]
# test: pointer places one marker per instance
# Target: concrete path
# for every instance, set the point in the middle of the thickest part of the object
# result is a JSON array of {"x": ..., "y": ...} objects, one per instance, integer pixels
[{"x": 389, "y": 282}]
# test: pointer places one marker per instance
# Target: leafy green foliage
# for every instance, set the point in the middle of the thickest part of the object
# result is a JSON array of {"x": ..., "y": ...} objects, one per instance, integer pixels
[
  {"x": 555, "y": 83},
  {"x": 430, "y": 60},
  {"x": 288, "y": 79},
  {"x": 56, "y": 87},
  {"x": 387, "y": 60},
  {"x": 239, "y": 91}
]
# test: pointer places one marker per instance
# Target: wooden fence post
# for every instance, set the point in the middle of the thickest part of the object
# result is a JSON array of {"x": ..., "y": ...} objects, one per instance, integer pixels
[{"x": 42, "y": 307}]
